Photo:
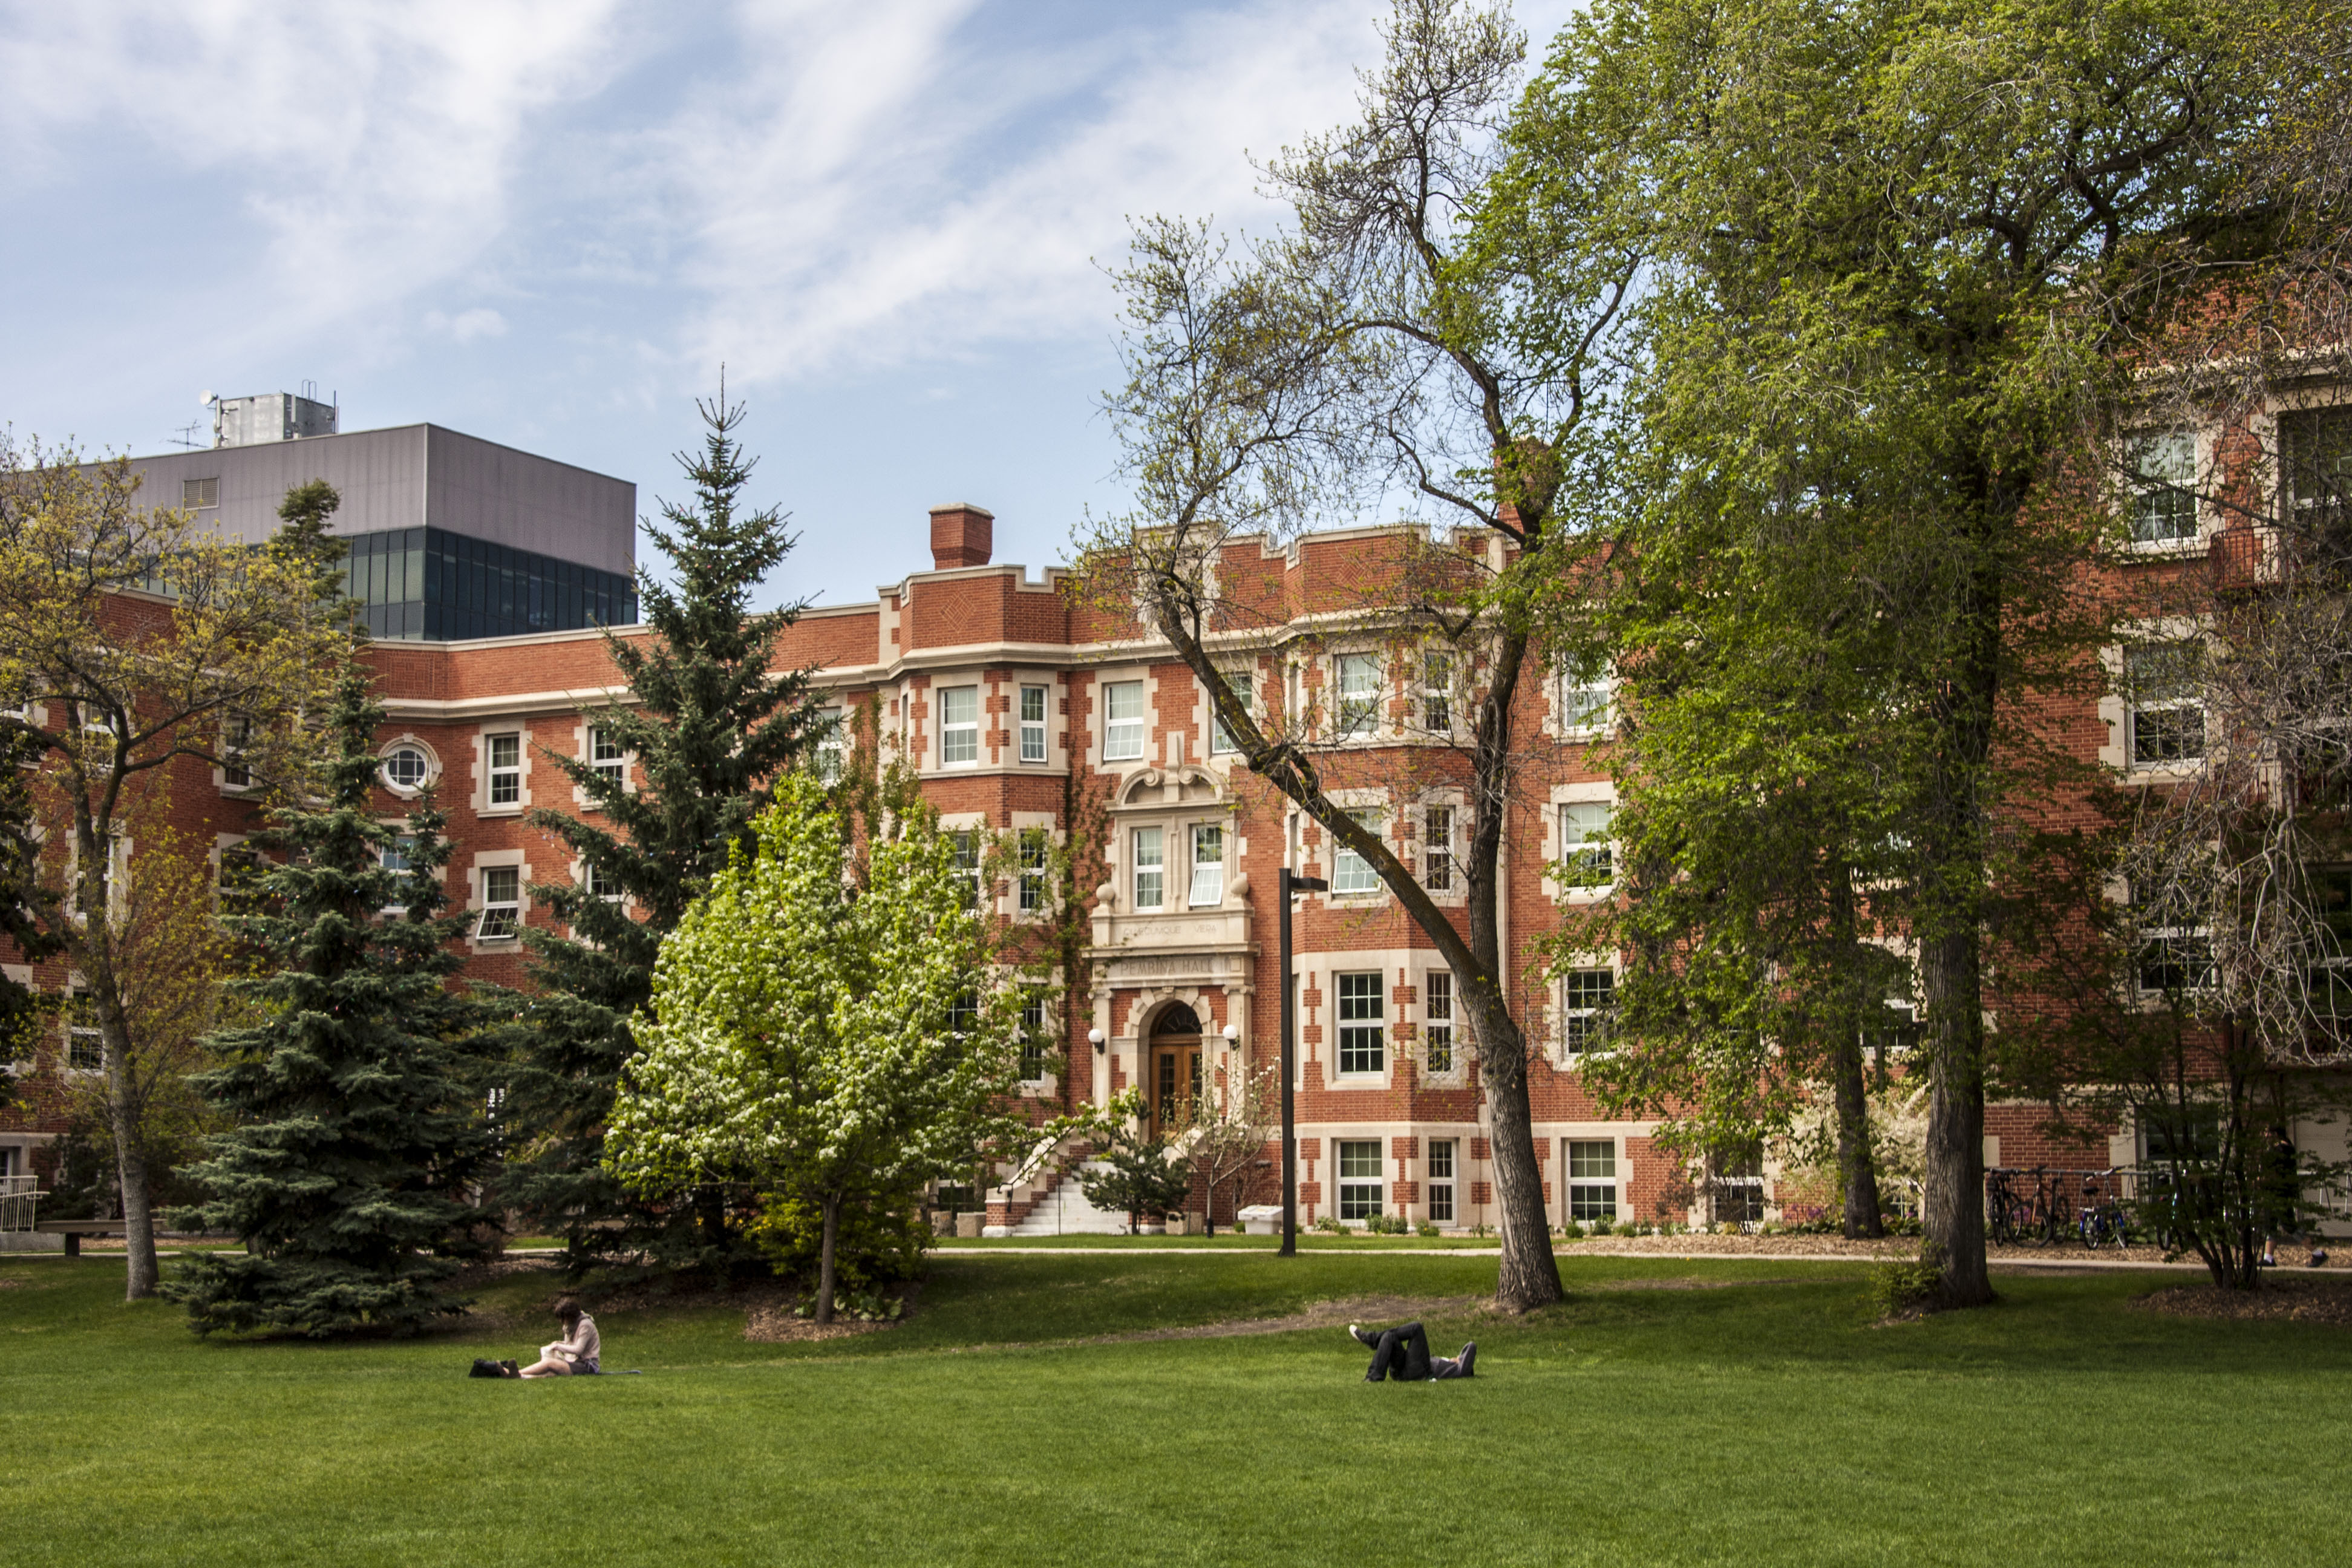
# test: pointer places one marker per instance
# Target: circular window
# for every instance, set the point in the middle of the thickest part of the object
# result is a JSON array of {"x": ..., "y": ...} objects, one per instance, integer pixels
[{"x": 407, "y": 767}]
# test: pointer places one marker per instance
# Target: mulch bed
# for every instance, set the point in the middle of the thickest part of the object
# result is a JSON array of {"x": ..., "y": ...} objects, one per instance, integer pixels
[
  {"x": 2294, "y": 1298},
  {"x": 773, "y": 1320}
]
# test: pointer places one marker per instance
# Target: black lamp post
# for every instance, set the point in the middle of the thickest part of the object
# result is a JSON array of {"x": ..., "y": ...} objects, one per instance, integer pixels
[{"x": 1290, "y": 884}]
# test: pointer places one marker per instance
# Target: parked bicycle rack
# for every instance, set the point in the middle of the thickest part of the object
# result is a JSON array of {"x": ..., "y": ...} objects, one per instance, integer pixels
[{"x": 2043, "y": 1206}]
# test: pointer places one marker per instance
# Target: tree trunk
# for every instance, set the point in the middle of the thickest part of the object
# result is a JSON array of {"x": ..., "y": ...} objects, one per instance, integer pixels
[
  {"x": 130, "y": 1170},
  {"x": 1528, "y": 1275},
  {"x": 1955, "y": 1224},
  {"x": 1857, "y": 1172},
  {"x": 824, "y": 1257}
]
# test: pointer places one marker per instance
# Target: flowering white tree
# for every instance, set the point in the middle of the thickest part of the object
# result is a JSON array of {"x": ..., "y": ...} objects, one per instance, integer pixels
[{"x": 817, "y": 1037}]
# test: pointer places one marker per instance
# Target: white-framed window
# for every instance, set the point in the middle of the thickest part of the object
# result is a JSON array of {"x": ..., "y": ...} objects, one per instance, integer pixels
[
  {"x": 1033, "y": 723},
  {"x": 238, "y": 890},
  {"x": 1358, "y": 713},
  {"x": 1363, "y": 1038},
  {"x": 1591, "y": 1178},
  {"x": 600, "y": 883},
  {"x": 237, "y": 744},
  {"x": 1360, "y": 1187},
  {"x": 1033, "y": 849},
  {"x": 832, "y": 744},
  {"x": 1150, "y": 867},
  {"x": 85, "y": 1040},
  {"x": 406, "y": 768},
  {"x": 2164, "y": 487},
  {"x": 505, "y": 769},
  {"x": 606, "y": 757},
  {"x": 1437, "y": 1020},
  {"x": 111, "y": 856},
  {"x": 1437, "y": 849},
  {"x": 2315, "y": 463},
  {"x": 2176, "y": 949},
  {"x": 1208, "y": 884},
  {"x": 965, "y": 842},
  {"x": 2164, "y": 702},
  {"x": 1437, "y": 693},
  {"x": 1032, "y": 1038},
  {"x": 501, "y": 904},
  {"x": 1587, "y": 703},
  {"x": 196, "y": 495},
  {"x": 394, "y": 856},
  {"x": 959, "y": 726},
  {"x": 1350, "y": 872},
  {"x": 1587, "y": 999},
  {"x": 1585, "y": 850},
  {"x": 1443, "y": 1154},
  {"x": 1245, "y": 686},
  {"x": 1123, "y": 721}
]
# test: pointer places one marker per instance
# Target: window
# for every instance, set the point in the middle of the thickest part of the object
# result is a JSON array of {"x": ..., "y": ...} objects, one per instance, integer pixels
[
  {"x": 966, "y": 845},
  {"x": 1150, "y": 889},
  {"x": 1245, "y": 688},
  {"x": 1208, "y": 865},
  {"x": 1360, "y": 1178},
  {"x": 406, "y": 768},
  {"x": 2161, "y": 682},
  {"x": 605, "y": 755},
  {"x": 501, "y": 903},
  {"x": 1123, "y": 721},
  {"x": 1737, "y": 1188},
  {"x": 2181, "y": 1135},
  {"x": 1437, "y": 694},
  {"x": 832, "y": 745},
  {"x": 1033, "y": 723},
  {"x": 1034, "y": 859},
  {"x": 2164, "y": 494},
  {"x": 2316, "y": 453},
  {"x": 1362, "y": 1042},
  {"x": 1584, "y": 844},
  {"x": 600, "y": 883},
  {"x": 2176, "y": 951},
  {"x": 1350, "y": 872},
  {"x": 963, "y": 1013},
  {"x": 1437, "y": 849},
  {"x": 85, "y": 1041},
  {"x": 1437, "y": 1021},
  {"x": 1441, "y": 1181},
  {"x": 1585, "y": 702},
  {"x": 197, "y": 494},
  {"x": 394, "y": 858},
  {"x": 1587, "y": 995},
  {"x": 506, "y": 770},
  {"x": 1591, "y": 1178},
  {"x": 241, "y": 870},
  {"x": 236, "y": 740},
  {"x": 959, "y": 726},
  {"x": 1032, "y": 1038},
  {"x": 1358, "y": 713}
]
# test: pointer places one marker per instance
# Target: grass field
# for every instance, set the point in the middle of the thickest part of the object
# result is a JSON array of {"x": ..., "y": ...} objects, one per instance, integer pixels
[{"x": 1757, "y": 1420}]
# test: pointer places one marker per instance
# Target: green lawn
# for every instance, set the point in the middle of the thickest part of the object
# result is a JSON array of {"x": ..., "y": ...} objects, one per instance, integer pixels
[{"x": 1762, "y": 1423}]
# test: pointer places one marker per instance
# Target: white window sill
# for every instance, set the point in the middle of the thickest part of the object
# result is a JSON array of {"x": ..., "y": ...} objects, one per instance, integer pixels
[{"x": 2166, "y": 549}]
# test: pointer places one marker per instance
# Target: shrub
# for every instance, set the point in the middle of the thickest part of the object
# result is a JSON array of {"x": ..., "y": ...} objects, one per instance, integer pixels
[
  {"x": 1426, "y": 1228},
  {"x": 1572, "y": 1231},
  {"x": 881, "y": 1239},
  {"x": 1329, "y": 1223},
  {"x": 1907, "y": 1285},
  {"x": 1387, "y": 1225},
  {"x": 1602, "y": 1226}
]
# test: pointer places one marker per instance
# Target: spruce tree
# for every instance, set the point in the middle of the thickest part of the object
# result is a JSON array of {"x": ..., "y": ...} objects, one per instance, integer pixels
[
  {"x": 709, "y": 724},
  {"x": 355, "y": 1090}
]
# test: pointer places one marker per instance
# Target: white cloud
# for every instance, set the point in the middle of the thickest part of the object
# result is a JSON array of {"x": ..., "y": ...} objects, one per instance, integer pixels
[{"x": 467, "y": 325}]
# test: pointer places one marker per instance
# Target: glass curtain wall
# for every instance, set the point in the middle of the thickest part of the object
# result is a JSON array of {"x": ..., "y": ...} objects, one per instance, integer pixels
[{"x": 430, "y": 584}]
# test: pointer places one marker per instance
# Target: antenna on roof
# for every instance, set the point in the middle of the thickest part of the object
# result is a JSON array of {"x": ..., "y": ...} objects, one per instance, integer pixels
[{"x": 185, "y": 434}]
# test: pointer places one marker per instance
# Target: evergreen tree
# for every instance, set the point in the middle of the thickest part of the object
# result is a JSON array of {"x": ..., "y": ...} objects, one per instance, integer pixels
[
  {"x": 359, "y": 1140},
  {"x": 709, "y": 722}
]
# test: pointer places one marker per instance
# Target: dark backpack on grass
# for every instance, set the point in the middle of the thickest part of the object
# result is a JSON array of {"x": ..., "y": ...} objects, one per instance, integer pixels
[{"x": 487, "y": 1369}]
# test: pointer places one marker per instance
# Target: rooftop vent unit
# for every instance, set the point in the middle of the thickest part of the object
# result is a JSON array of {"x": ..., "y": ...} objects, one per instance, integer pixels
[{"x": 270, "y": 416}]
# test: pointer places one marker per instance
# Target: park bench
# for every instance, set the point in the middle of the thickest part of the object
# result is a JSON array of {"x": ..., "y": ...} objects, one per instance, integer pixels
[{"x": 73, "y": 1230}]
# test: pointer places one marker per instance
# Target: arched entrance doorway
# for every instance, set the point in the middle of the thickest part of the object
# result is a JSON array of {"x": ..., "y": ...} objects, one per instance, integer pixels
[{"x": 1175, "y": 1071}]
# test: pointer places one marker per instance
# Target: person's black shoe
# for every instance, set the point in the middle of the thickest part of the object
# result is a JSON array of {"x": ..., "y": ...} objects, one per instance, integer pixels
[
  {"x": 1370, "y": 1342},
  {"x": 514, "y": 1369},
  {"x": 1469, "y": 1355}
]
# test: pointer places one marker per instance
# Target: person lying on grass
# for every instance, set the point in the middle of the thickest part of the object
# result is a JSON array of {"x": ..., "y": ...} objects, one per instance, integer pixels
[
  {"x": 1403, "y": 1355},
  {"x": 575, "y": 1353}
]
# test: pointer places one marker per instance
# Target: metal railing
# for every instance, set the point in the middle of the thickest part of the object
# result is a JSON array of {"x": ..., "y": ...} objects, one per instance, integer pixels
[{"x": 17, "y": 1196}]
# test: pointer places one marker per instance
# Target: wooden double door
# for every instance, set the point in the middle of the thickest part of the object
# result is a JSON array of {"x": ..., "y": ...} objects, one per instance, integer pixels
[{"x": 1174, "y": 1070}]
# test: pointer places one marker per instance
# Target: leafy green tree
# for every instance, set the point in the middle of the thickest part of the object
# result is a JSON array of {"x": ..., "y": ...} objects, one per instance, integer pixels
[
  {"x": 21, "y": 1013},
  {"x": 1137, "y": 1171},
  {"x": 709, "y": 722},
  {"x": 1892, "y": 246},
  {"x": 360, "y": 1134},
  {"x": 817, "y": 1040}
]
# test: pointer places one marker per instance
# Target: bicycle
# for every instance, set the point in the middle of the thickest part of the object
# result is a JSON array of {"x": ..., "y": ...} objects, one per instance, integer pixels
[{"x": 2104, "y": 1221}]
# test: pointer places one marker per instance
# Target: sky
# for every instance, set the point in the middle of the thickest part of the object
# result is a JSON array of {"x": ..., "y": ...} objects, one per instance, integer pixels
[{"x": 550, "y": 223}]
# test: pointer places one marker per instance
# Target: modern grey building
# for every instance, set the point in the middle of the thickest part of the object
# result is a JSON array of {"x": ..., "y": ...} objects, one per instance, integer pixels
[{"x": 451, "y": 536}]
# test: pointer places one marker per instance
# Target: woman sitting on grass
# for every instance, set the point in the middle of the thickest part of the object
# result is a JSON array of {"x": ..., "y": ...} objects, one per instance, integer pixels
[{"x": 575, "y": 1353}]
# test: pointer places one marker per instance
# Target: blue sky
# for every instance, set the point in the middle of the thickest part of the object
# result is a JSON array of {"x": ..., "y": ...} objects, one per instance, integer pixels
[{"x": 548, "y": 222}]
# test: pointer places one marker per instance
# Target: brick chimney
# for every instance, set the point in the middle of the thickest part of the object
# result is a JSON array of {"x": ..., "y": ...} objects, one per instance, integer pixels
[{"x": 962, "y": 536}]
